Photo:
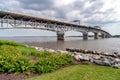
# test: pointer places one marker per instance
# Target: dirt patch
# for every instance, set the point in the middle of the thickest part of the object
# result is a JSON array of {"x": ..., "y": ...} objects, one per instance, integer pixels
[{"x": 22, "y": 76}]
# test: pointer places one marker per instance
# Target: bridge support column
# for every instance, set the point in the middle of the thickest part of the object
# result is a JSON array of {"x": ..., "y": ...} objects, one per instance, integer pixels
[
  {"x": 103, "y": 36},
  {"x": 60, "y": 35},
  {"x": 1, "y": 23},
  {"x": 96, "y": 35},
  {"x": 107, "y": 36},
  {"x": 85, "y": 36}
]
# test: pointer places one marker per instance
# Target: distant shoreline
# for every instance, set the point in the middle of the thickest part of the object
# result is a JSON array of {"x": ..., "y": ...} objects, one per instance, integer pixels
[
  {"x": 116, "y": 36},
  {"x": 45, "y": 36}
]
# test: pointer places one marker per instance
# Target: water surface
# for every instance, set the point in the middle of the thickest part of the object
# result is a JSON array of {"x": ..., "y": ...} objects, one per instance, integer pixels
[{"x": 108, "y": 44}]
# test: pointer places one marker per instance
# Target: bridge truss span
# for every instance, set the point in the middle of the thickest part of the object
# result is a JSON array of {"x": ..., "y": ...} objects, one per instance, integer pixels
[{"x": 10, "y": 20}]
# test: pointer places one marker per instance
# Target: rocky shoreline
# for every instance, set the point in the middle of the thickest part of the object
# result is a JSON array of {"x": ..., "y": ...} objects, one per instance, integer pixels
[
  {"x": 97, "y": 57},
  {"x": 50, "y": 50}
]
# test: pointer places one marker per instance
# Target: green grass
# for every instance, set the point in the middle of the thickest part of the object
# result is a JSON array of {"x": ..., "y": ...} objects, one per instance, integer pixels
[
  {"x": 81, "y": 72},
  {"x": 12, "y": 43}
]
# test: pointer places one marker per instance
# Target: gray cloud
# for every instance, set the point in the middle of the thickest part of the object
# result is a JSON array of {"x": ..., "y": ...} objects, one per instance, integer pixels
[
  {"x": 88, "y": 11},
  {"x": 87, "y": 15},
  {"x": 37, "y": 4}
]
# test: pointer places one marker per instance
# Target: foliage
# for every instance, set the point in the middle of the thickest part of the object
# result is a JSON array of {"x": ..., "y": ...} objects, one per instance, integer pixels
[
  {"x": 12, "y": 60},
  {"x": 52, "y": 62},
  {"x": 82, "y": 72},
  {"x": 15, "y": 57}
]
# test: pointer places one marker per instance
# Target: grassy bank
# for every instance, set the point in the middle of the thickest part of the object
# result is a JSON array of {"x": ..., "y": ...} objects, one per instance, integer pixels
[
  {"x": 17, "y": 58},
  {"x": 82, "y": 72}
]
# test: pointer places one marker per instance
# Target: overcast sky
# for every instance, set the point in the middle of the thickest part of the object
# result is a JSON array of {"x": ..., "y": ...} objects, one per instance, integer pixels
[{"x": 104, "y": 13}]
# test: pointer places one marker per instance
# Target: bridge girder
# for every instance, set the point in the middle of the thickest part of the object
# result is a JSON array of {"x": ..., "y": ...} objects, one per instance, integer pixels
[{"x": 28, "y": 22}]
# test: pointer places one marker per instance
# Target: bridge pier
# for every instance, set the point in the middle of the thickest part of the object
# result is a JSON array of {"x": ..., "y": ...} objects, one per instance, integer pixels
[
  {"x": 96, "y": 35},
  {"x": 107, "y": 36},
  {"x": 1, "y": 23},
  {"x": 60, "y": 35},
  {"x": 103, "y": 36},
  {"x": 85, "y": 36}
]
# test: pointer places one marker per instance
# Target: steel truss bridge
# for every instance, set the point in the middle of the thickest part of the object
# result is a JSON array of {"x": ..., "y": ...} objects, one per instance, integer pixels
[{"x": 11, "y": 20}]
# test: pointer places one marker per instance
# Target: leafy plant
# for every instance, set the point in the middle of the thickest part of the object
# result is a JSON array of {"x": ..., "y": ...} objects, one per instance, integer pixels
[{"x": 15, "y": 57}]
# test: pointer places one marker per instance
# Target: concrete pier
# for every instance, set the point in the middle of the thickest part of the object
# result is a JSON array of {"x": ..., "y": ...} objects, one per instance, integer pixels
[
  {"x": 60, "y": 35},
  {"x": 85, "y": 36},
  {"x": 103, "y": 36},
  {"x": 96, "y": 35}
]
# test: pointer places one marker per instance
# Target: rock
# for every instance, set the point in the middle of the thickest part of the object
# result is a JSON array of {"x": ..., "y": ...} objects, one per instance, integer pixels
[
  {"x": 117, "y": 60},
  {"x": 67, "y": 49},
  {"x": 89, "y": 51},
  {"x": 65, "y": 52},
  {"x": 106, "y": 53},
  {"x": 81, "y": 58},
  {"x": 71, "y": 50},
  {"x": 116, "y": 65},
  {"x": 76, "y": 53},
  {"x": 51, "y": 50},
  {"x": 113, "y": 55},
  {"x": 85, "y": 58},
  {"x": 96, "y": 57},
  {"x": 99, "y": 62},
  {"x": 99, "y": 52},
  {"x": 93, "y": 52},
  {"x": 110, "y": 58},
  {"x": 118, "y": 54},
  {"x": 77, "y": 57},
  {"x": 40, "y": 49},
  {"x": 106, "y": 62},
  {"x": 85, "y": 51},
  {"x": 115, "y": 52},
  {"x": 76, "y": 50},
  {"x": 36, "y": 48},
  {"x": 82, "y": 50},
  {"x": 61, "y": 51}
]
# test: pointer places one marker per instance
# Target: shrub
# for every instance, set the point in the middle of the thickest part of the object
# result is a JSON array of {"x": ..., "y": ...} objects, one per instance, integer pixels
[
  {"x": 52, "y": 62},
  {"x": 17, "y": 58},
  {"x": 12, "y": 60}
]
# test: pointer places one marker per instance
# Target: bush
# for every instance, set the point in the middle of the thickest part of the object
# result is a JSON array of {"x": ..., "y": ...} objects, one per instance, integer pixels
[
  {"x": 17, "y": 58},
  {"x": 12, "y": 60},
  {"x": 52, "y": 62}
]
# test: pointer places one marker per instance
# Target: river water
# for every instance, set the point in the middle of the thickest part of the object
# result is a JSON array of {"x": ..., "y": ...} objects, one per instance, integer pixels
[{"x": 108, "y": 44}]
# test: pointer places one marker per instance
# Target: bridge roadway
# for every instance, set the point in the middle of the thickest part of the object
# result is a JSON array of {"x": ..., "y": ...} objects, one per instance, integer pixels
[{"x": 10, "y": 20}]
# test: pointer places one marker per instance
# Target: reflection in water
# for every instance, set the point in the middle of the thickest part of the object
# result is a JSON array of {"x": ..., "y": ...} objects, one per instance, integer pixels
[{"x": 110, "y": 44}]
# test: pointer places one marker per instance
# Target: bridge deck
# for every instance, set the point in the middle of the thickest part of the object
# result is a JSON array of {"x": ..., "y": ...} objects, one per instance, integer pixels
[{"x": 25, "y": 17}]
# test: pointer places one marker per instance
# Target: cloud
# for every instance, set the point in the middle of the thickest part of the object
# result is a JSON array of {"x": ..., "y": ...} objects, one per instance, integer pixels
[
  {"x": 89, "y": 12},
  {"x": 38, "y": 5}
]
